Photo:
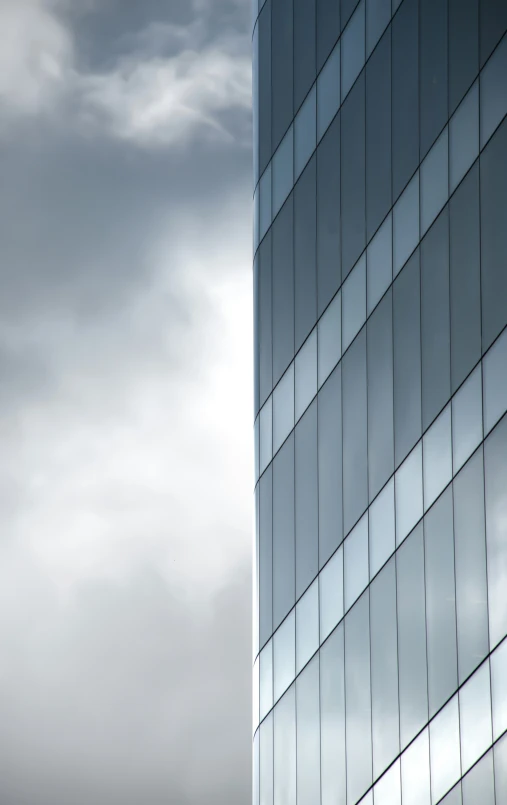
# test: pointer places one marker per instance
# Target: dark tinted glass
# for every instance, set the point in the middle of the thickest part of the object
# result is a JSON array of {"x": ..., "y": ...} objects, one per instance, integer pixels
[
  {"x": 378, "y": 135},
  {"x": 463, "y": 48},
  {"x": 465, "y": 278},
  {"x": 307, "y": 528},
  {"x": 440, "y": 602},
  {"x": 328, "y": 28},
  {"x": 330, "y": 466},
  {"x": 353, "y": 175},
  {"x": 308, "y": 734},
  {"x": 283, "y": 290},
  {"x": 264, "y": 27},
  {"x": 380, "y": 396},
  {"x": 283, "y": 532},
  {"x": 304, "y": 49},
  {"x": 407, "y": 359},
  {"x": 470, "y": 549},
  {"x": 265, "y": 556},
  {"x": 305, "y": 269},
  {"x": 328, "y": 215},
  {"x": 355, "y": 478},
  {"x": 493, "y": 24},
  {"x": 411, "y": 636},
  {"x": 384, "y": 669},
  {"x": 282, "y": 56},
  {"x": 358, "y": 699},
  {"x": 433, "y": 67},
  {"x": 265, "y": 354},
  {"x": 435, "y": 323},
  {"x": 494, "y": 236},
  {"x": 347, "y": 7},
  {"x": 405, "y": 78},
  {"x": 332, "y": 719},
  {"x": 285, "y": 749}
]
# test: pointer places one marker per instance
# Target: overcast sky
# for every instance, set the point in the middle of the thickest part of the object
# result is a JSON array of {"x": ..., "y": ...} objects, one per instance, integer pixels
[{"x": 125, "y": 402}]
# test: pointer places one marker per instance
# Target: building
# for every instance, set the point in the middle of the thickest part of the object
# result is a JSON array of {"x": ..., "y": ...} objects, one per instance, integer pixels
[{"x": 380, "y": 266}]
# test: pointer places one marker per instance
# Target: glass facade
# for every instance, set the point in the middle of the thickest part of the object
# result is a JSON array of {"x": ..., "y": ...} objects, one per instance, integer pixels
[{"x": 380, "y": 288}]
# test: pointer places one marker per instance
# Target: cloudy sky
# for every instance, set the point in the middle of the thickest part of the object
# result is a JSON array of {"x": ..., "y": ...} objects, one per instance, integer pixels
[{"x": 125, "y": 402}]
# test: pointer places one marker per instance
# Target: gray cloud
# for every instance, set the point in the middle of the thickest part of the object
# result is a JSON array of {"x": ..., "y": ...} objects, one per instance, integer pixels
[{"x": 125, "y": 483}]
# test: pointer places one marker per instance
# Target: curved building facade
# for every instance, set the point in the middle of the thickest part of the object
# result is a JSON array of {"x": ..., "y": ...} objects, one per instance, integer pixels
[{"x": 380, "y": 276}]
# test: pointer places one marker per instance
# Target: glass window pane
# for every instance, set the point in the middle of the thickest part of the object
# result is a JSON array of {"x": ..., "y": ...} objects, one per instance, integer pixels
[
  {"x": 475, "y": 717},
  {"x": 283, "y": 408},
  {"x": 467, "y": 419},
  {"x": 284, "y": 546},
  {"x": 329, "y": 270},
  {"x": 501, "y": 770},
  {"x": 265, "y": 434},
  {"x": 495, "y": 382},
  {"x": 355, "y": 463},
  {"x": 434, "y": 181},
  {"x": 282, "y": 171},
  {"x": 433, "y": 79},
  {"x": 353, "y": 175},
  {"x": 478, "y": 785},
  {"x": 283, "y": 289},
  {"x": 493, "y": 95},
  {"x": 328, "y": 28},
  {"x": 437, "y": 457},
  {"x": 255, "y": 771},
  {"x": 378, "y": 16},
  {"x": 265, "y": 339},
  {"x": 494, "y": 236},
  {"x": 405, "y": 89},
  {"x": 440, "y": 602},
  {"x": 305, "y": 132},
  {"x": 354, "y": 302},
  {"x": 412, "y": 637},
  {"x": 463, "y": 48},
  {"x": 266, "y": 680},
  {"x": 353, "y": 52},
  {"x": 330, "y": 339},
  {"x": 384, "y": 670},
  {"x": 332, "y": 719},
  {"x": 305, "y": 254},
  {"x": 444, "y": 750},
  {"x": 330, "y": 466},
  {"x": 265, "y": 488},
  {"x": 265, "y": 202},
  {"x": 415, "y": 772},
  {"x": 266, "y": 761},
  {"x": 264, "y": 79},
  {"x": 305, "y": 46},
  {"x": 378, "y": 134},
  {"x": 308, "y": 735},
  {"x": 255, "y": 694},
  {"x": 328, "y": 91},
  {"x": 306, "y": 374},
  {"x": 453, "y": 797},
  {"x": 406, "y": 224},
  {"x": 499, "y": 689},
  {"x": 409, "y": 494},
  {"x": 284, "y": 655},
  {"x": 307, "y": 515},
  {"x": 382, "y": 532},
  {"x": 380, "y": 396},
  {"x": 495, "y": 466},
  {"x": 307, "y": 626},
  {"x": 356, "y": 562},
  {"x": 464, "y": 137},
  {"x": 470, "y": 558},
  {"x": 285, "y": 749},
  {"x": 388, "y": 789},
  {"x": 331, "y": 594},
  {"x": 357, "y": 692},
  {"x": 380, "y": 263}
]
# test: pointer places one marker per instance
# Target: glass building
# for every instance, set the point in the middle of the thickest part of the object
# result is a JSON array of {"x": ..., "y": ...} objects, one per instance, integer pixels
[{"x": 380, "y": 275}]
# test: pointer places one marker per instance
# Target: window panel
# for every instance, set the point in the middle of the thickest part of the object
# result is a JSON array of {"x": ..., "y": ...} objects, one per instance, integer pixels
[
  {"x": 328, "y": 28},
  {"x": 283, "y": 290},
  {"x": 353, "y": 48},
  {"x": 265, "y": 212},
  {"x": 501, "y": 770},
  {"x": 305, "y": 132},
  {"x": 435, "y": 319},
  {"x": 411, "y": 637},
  {"x": 266, "y": 434},
  {"x": 305, "y": 254},
  {"x": 306, "y": 374},
  {"x": 307, "y": 523},
  {"x": 308, "y": 735},
  {"x": 437, "y": 457},
  {"x": 282, "y": 171},
  {"x": 493, "y": 23},
  {"x": 255, "y": 771},
  {"x": 493, "y": 96},
  {"x": 304, "y": 48},
  {"x": 478, "y": 785},
  {"x": 284, "y": 655},
  {"x": 266, "y": 761},
  {"x": 283, "y": 408},
  {"x": 495, "y": 382},
  {"x": 444, "y": 750},
  {"x": 388, "y": 789},
  {"x": 378, "y": 16},
  {"x": 332, "y": 719},
  {"x": 433, "y": 67},
  {"x": 434, "y": 181},
  {"x": 264, "y": 338},
  {"x": 464, "y": 137},
  {"x": 307, "y": 626},
  {"x": 283, "y": 532},
  {"x": 355, "y": 465},
  {"x": 384, "y": 670},
  {"x": 406, "y": 224},
  {"x": 380, "y": 395},
  {"x": 285, "y": 749},
  {"x": 266, "y": 680},
  {"x": 470, "y": 549},
  {"x": 475, "y": 717},
  {"x": 265, "y": 556},
  {"x": 330, "y": 339},
  {"x": 378, "y": 133},
  {"x": 282, "y": 68},
  {"x": 415, "y": 772},
  {"x": 331, "y": 594},
  {"x": 467, "y": 419},
  {"x": 330, "y": 466},
  {"x": 328, "y": 91},
  {"x": 453, "y": 797},
  {"x": 353, "y": 175},
  {"x": 358, "y": 702},
  {"x": 354, "y": 302},
  {"x": 264, "y": 72},
  {"x": 409, "y": 494},
  {"x": 328, "y": 215},
  {"x": 405, "y": 94},
  {"x": 379, "y": 259},
  {"x": 356, "y": 562},
  {"x": 495, "y": 450},
  {"x": 465, "y": 278},
  {"x": 499, "y": 689},
  {"x": 463, "y": 48},
  {"x": 440, "y": 602},
  {"x": 381, "y": 528}
]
